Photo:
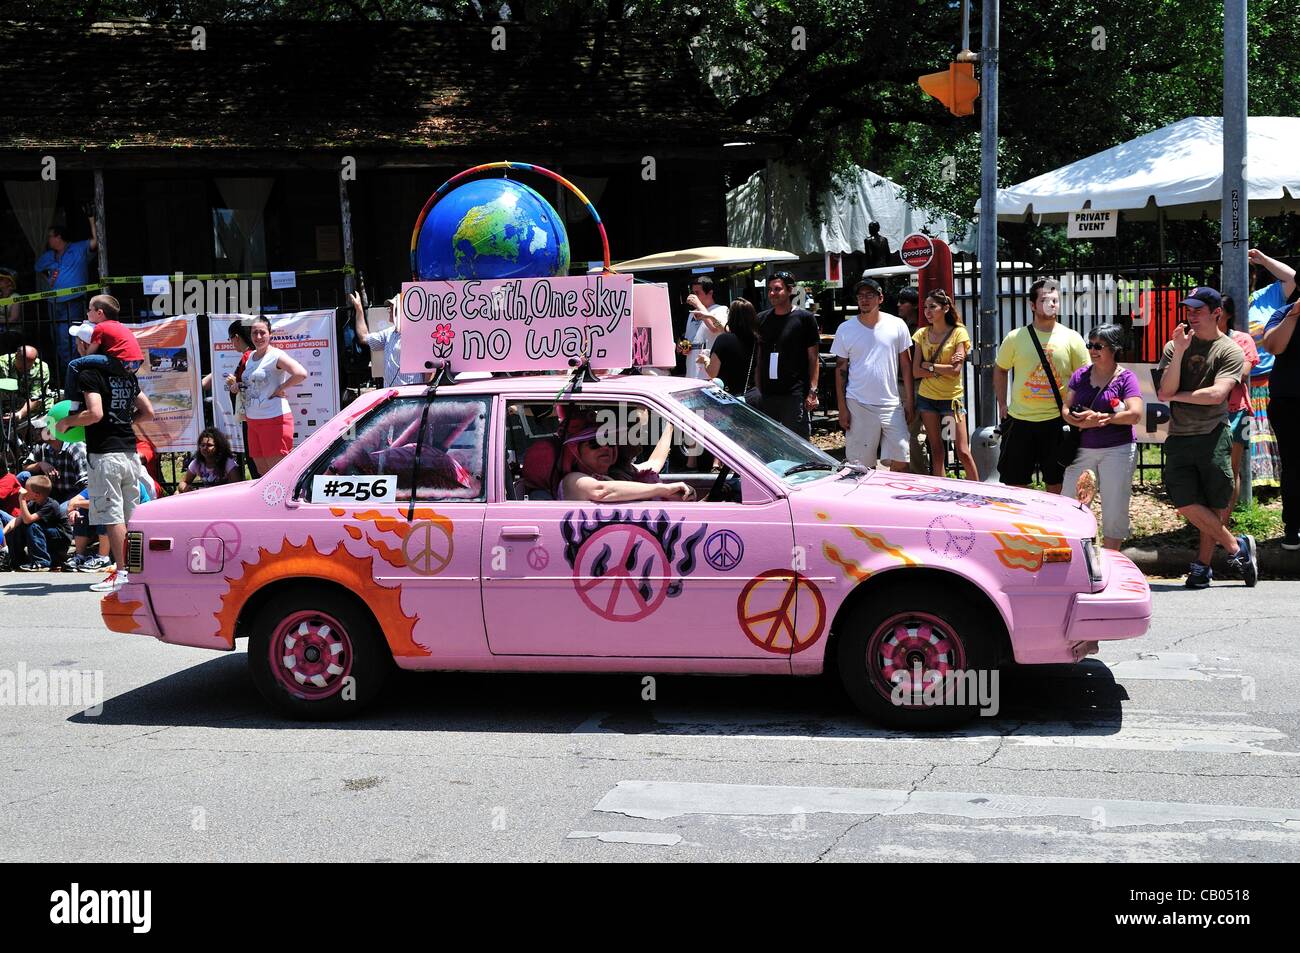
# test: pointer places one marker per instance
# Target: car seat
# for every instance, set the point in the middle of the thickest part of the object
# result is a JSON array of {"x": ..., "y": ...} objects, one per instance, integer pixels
[{"x": 539, "y": 468}]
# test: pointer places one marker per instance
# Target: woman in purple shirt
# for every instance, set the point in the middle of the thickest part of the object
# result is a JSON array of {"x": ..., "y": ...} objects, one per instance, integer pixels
[{"x": 1104, "y": 401}]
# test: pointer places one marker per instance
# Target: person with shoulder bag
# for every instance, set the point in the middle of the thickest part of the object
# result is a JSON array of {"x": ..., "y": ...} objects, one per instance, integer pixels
[
  {"x": 1038, "y": 354},
  {"x": 1103, "y": 401}
]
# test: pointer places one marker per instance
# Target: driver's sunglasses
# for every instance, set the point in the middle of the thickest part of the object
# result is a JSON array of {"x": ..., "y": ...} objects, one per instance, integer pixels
[
  {"x": 1094, "y": 346},
  {"x": 593, "y": 444}
]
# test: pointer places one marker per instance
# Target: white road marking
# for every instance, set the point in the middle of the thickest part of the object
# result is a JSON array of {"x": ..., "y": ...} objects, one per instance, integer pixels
[
  {"x": 660, "y": 800},
  {"x": 1136, "y": 730},
  {"x": 629, "y": 837},
  {"x": 1171, "y": 666}
]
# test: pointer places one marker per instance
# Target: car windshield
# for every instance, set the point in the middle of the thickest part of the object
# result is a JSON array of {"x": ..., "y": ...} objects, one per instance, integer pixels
[{"x": 792, "y": 458}]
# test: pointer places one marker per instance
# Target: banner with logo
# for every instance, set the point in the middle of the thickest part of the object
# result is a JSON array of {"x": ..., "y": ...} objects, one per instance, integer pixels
[
  {"x": 169, "y": 376},
  {"x": 310, "y": 338}
]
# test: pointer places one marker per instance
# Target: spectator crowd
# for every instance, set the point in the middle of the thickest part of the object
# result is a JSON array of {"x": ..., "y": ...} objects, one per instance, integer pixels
[
  {"x": 1067, "y": 405},
  {"x": 77, "y": 461}
]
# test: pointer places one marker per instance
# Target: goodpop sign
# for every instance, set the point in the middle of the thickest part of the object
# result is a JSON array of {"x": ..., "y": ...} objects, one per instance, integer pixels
[
  {"x": 517, "y": 324},
  {"x": 917, "y": 250}
]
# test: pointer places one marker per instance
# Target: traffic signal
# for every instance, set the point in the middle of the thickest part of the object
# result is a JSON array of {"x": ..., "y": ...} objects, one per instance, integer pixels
[{"x": 956, "y": 87}]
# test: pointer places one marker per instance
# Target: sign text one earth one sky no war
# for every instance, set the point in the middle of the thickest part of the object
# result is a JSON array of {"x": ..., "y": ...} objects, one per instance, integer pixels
[{"x": 517, "y": 324}]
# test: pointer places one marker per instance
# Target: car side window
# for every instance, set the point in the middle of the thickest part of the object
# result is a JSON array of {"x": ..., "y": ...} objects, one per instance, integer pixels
[{"x": 452, "y": 454}]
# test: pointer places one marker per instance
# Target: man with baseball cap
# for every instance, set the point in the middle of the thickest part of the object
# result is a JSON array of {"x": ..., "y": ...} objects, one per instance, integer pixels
[
  {"x": 872, "y": 356},
  {"x": 1198, "y": 370}
]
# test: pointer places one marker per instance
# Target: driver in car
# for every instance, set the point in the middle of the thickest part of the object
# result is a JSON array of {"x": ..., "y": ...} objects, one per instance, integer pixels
[{"x": 595, "y": 470}]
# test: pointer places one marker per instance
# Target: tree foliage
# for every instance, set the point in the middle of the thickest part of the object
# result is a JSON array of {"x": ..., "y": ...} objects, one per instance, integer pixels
[{"x": 835, "y": 80}]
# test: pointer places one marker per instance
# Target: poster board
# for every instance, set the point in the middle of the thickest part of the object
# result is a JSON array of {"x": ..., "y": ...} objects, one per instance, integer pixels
[
  {"x": 310, "y": 338},
  {"x": 517, "y": 324},
  {"x": 169, "y": 377}
]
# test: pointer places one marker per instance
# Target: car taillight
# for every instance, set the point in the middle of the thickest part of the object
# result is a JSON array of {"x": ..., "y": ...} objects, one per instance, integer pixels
[{"x": 134, "y": 551}]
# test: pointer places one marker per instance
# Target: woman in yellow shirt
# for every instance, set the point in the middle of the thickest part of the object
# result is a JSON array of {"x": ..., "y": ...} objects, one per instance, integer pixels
[{"x": 938, "y": 359}]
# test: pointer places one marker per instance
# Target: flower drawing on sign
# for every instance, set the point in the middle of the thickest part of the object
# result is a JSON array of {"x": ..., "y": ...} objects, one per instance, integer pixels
[{"x": 442, "y": 336}]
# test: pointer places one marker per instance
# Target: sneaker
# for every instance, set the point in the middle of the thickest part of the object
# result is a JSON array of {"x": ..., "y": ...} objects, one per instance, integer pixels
[
  {"x": 4, "y": 562},
  {"x": 111, "y": 583},
  {"x": 73, "y": 562},
  {"x": 1199, "y": 576},
  {"x": 34, "y": 567},
  {"x": 94, "y": 564},
  {"x": 1291, "y": 541},
  {"x": 1246, "y": 561}
]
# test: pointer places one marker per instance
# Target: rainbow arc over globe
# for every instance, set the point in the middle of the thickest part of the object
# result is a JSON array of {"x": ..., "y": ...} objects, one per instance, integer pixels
[{"x": 494, "y": 228}]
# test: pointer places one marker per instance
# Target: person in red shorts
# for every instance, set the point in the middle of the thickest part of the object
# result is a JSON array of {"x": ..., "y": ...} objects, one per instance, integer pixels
[
  {"x": 112, "y": 346},
  {"x": 268, "y": 377}
]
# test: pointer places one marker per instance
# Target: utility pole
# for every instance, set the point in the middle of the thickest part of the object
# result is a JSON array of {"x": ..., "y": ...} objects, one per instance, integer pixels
[
  {"x": 1236, "y": 202},
  {"x": 984, "y": 445}
]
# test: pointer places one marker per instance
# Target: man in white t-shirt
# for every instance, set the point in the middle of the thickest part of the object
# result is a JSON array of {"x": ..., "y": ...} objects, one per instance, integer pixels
[
  {"x": 707, "y": 320},
  {"x": 872, "y": 355},
  {"x": 388, "y": 340}
]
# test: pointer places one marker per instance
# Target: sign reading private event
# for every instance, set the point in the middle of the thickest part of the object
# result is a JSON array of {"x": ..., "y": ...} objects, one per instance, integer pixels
[
  {"x": 517, "y": 324},
  {"x": 917, "y": 250},
  {"x": 1093, "y": 223}
]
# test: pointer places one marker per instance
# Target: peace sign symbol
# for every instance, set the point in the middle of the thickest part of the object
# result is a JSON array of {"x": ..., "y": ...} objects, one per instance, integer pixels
[
  {"x": 427, "y": 548},
  {"x": 724, "y": 550},
  {"x": 950, "y": 536},
  {"x": 769, "y": 610},
  {"x": 621, "y": 573},
  {"x": 538, "y": 558},
  {"x": 229, "y": 535}
]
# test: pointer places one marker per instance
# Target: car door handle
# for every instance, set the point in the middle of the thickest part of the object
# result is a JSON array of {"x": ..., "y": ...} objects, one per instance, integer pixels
[{"x": 520, "y": 532}]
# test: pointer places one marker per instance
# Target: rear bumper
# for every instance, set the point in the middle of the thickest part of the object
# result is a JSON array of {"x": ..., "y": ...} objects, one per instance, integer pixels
[
  {"x": 1120, "y": 611},
  {"x": 129, "y": 610}
]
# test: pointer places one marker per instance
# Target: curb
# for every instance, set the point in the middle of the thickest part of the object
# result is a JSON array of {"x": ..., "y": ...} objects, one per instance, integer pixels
[{"x": 1172, "y": 562}]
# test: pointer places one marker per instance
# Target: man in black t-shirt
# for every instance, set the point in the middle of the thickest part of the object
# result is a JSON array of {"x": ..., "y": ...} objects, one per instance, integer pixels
[
  {"x": 786, "y": 366},
  {"x": 113, "y": 403}
]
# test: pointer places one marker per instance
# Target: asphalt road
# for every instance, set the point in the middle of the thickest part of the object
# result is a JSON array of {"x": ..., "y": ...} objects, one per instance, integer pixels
[{"x": 1180, "y": 746}]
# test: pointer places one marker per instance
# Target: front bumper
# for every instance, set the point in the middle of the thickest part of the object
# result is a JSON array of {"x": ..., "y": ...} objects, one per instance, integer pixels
[{"x": 1122, "y": 610}]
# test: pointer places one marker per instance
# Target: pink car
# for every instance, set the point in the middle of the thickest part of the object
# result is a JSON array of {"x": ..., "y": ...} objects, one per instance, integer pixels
[{"x": 785, "y": 561}]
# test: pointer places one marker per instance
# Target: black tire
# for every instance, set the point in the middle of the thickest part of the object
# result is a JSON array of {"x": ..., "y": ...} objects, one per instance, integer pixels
[
  {"x": 959, "y": 624},
  {"x": 330, "y": 619}
]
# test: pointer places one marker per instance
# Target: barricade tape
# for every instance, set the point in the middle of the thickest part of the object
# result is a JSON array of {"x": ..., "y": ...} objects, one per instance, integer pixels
[{"x": 139, "y": 279}]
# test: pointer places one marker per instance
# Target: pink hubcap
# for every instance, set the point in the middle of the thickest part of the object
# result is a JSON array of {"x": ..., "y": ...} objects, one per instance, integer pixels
[
  {"x": 311, "y": 655},
  {"x": 912, "y": 651}
]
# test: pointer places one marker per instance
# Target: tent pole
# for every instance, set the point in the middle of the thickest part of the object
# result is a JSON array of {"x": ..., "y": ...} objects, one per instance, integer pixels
[{"x": 1160, "y": 232}]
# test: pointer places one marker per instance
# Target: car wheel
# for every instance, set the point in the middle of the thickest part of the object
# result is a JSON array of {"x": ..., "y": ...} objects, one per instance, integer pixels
[
  {"x": 317, "y": 656},
  {"x": 911, "y": 658}
]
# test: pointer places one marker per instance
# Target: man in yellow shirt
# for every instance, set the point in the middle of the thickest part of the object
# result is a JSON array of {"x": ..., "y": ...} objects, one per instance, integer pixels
[{"x": 1032, "y": 424}]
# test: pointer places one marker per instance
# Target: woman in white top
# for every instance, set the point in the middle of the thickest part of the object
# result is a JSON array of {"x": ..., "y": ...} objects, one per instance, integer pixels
[{"x": 267, "y": 379}]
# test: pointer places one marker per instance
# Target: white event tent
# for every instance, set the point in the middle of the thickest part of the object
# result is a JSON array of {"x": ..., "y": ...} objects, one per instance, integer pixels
[
  {"x": 1176, "y": 170},
  {"x": 866, "y": 198}
]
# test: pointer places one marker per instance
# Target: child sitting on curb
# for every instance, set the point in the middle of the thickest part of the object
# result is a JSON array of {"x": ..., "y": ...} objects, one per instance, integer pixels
[{"x": 40, "y": 530}]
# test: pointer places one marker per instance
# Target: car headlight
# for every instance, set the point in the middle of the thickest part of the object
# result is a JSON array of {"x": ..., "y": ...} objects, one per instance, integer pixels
[{"x": 1093, "y": 560}]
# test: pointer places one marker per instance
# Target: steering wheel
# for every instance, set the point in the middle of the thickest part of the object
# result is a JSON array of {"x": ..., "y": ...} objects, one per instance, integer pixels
[{"x": 714, "y": 494}]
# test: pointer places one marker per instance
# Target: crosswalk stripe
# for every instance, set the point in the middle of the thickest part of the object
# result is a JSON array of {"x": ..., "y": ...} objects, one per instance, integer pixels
[
  {"x": 1136, "y": 730},
  {"x": 660, "y": 800}
]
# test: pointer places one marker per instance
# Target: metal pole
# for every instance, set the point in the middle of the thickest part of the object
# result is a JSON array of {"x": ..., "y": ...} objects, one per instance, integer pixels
[
  {"x": 345, "y": 209},
  {"x": 101, "y": 232},
  {"x": 1235, "y": 210},
  {"x": 984, "y": 446}
]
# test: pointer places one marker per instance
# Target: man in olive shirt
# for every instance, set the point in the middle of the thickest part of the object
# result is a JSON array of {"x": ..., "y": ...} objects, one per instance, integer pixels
[{"x": 1199, "y": 369}]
